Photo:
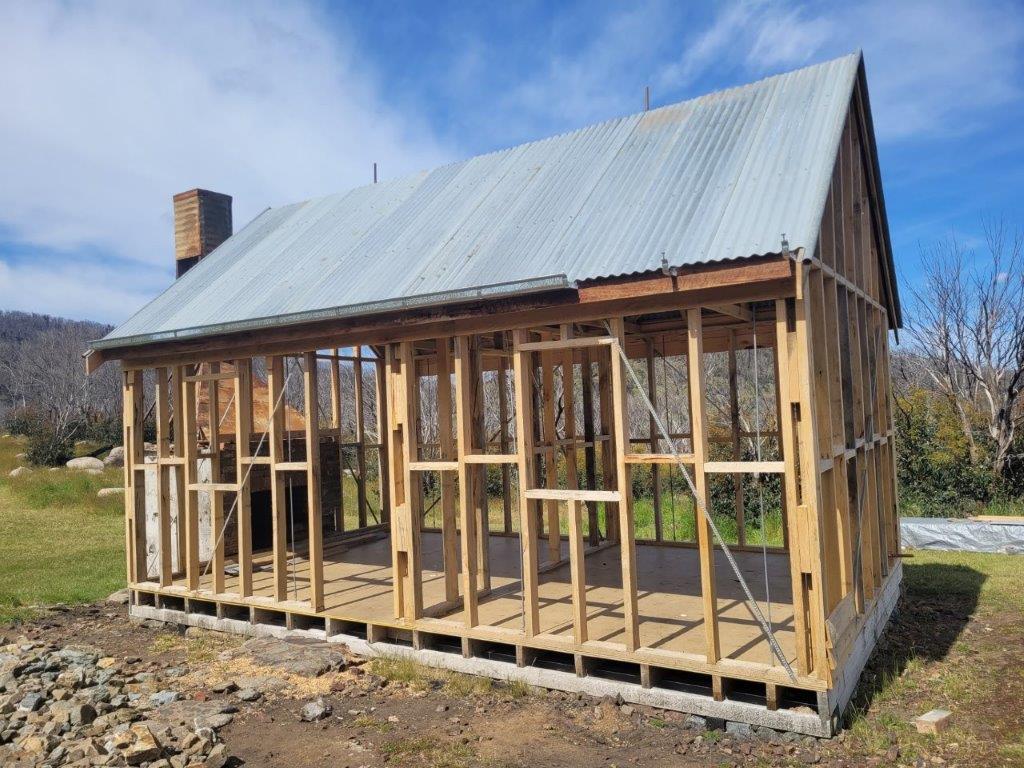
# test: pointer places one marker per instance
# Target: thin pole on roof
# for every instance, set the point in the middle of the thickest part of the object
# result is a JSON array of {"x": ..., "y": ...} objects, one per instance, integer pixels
[
  {"x": 374, "y": 173},
  {"x": 647, "y": 97}
]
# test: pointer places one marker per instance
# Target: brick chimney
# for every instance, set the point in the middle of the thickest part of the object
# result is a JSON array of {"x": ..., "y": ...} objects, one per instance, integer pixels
[{"x": 202, "y": 221}]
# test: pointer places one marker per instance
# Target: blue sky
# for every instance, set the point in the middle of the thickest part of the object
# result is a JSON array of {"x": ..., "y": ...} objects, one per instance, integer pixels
[{"x": 112, "y": 107}]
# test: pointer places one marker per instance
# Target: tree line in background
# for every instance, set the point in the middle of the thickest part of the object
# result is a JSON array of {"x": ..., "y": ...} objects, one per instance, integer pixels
[
  {"x": 959, "y": 377},
  {"x": 45, "y": 393},
  {"x": 958, "y": 385}
]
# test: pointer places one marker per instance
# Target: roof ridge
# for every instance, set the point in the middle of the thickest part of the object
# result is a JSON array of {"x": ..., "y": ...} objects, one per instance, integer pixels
[{"x": 590, "y": 126}]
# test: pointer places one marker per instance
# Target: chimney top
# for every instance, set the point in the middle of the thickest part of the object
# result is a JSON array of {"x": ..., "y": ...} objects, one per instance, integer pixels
[{"x": 202, "y": 221}]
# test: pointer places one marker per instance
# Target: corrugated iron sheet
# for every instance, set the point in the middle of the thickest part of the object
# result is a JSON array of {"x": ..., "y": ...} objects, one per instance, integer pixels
[{"x": 715, "y": 178}]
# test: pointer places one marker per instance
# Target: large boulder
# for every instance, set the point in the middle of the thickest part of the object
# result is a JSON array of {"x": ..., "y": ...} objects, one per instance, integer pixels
[
  {"x": 20, "y": 471},
  {"x": 306, "y": 657},
  {"x": 105, "y": 492},
  {"x": 116, "y": 457},
  {"x": 121, "y": 597},
  {"x": 85, "y": 463}
]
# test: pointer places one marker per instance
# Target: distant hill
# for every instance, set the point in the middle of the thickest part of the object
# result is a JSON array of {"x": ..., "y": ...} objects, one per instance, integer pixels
[
  {"x": 19, "y": 327},
  {"x": 41, "y": 365}
]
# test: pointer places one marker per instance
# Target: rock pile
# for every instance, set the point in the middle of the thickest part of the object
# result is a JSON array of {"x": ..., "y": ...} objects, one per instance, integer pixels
[{"x": 71, "y": 706}]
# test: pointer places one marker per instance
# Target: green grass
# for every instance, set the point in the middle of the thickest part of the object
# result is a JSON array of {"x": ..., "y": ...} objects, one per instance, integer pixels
[
  {"x": 398, "y": 670},
  {"x": 678, "y": 522},
  {"x": 59, "y": 542},
  {"x": 1011, "y": 507},
  {"x": 517, "y": 689},
  {"x": 994, "y": 581},
  {"x": 919, "y": 507},
  {"x": 955, "y": 644},
  {"x": 350, "y": 500}
]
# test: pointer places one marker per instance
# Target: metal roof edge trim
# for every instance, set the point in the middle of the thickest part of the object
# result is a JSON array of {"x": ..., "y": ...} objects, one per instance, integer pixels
[
  {"x": 877, "y": 171},
  {"x": 497, "y": 290}
]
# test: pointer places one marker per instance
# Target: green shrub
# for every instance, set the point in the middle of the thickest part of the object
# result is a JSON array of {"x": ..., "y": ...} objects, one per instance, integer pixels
[
  {"x": 48, "y": 447},
  {"x": 22, "y": 421},
  {"x": 103, "y": 431},
  {"x": 936, "y": 475}
]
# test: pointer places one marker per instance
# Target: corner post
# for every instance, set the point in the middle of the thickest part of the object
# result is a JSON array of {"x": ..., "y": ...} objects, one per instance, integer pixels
[
  {"x": 406, "y": 496},
  {"x": 449, "y": 508},
  {"x": 788, "y": 398},
  {"x": 810, "y": 510}
]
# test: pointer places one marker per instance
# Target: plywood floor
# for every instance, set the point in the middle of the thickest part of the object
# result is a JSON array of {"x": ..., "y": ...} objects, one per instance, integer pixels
[{"x": 358, "y": 587}]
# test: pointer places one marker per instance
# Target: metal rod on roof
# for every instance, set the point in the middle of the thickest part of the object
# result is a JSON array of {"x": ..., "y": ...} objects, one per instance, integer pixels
[
  {"x": 374, "y": 173},
  {"x": 647, "y": 97}
]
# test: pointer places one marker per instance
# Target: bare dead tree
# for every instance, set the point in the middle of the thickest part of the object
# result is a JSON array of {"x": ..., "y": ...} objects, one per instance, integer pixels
[
  {"x": 27, "y": 340},
  {"x": 47, "y": 372},
  {"x": 968, "y": 329}
]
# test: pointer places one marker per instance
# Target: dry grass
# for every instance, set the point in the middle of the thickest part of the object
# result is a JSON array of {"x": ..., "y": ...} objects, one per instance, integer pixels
[
  {"x": 372, "y": 723},
  {"x": 198, "y": 647},
  {"x": 455, "y": 684},
  {"x": 427, "y": 751}
]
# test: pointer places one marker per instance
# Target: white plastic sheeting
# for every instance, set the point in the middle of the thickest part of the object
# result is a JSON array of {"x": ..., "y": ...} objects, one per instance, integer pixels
[{"x": 962, "y": 535}]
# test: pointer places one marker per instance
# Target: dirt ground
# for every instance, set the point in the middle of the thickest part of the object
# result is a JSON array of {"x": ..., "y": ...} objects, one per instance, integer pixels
[{"x": 397, "y": 714}]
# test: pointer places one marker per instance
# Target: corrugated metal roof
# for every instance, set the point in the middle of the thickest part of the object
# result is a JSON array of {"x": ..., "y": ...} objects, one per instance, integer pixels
[{"x": 716, "y": 178}]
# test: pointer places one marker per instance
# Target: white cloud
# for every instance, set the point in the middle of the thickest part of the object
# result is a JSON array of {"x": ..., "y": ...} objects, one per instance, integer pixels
[
  {"x": 756, "y": 33},
  {"x": 939, "y": 68},
  {"x": 932, "y": 67},
  {"x": 935, "y": 69},
  {"x": 591, "y": 84},
  {"x": 110, "y": 108},
  {"x": 789, "y": 37},
  {"x": 104, "y": 293},
  {"x": 705, "y": 49}
]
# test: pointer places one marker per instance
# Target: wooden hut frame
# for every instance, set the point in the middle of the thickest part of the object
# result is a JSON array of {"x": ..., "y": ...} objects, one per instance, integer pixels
[{"x": 548, "y": 570}]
